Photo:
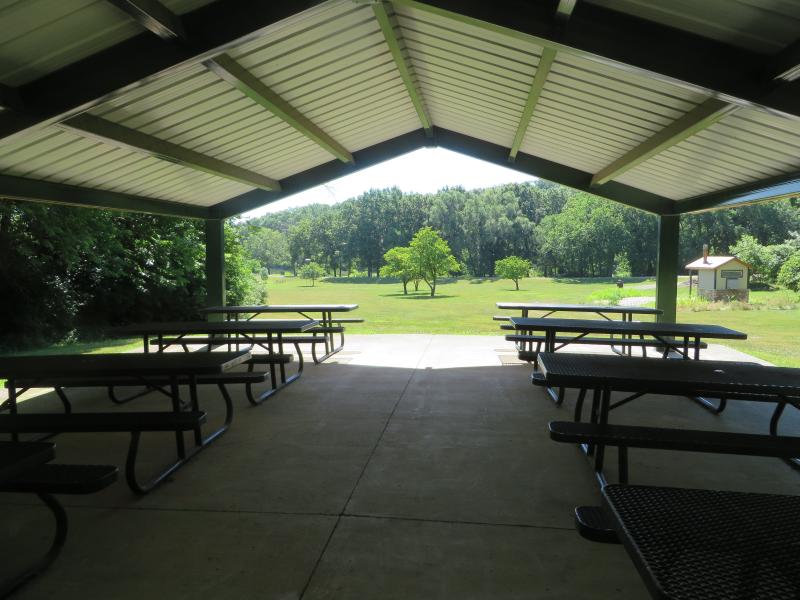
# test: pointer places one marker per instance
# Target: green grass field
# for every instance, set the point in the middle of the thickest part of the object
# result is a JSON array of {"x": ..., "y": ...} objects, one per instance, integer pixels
[{"x": 466, "y": 307}]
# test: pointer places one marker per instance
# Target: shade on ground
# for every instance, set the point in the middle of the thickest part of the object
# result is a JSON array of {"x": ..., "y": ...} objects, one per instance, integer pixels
[{"x": 414, "y": 466}]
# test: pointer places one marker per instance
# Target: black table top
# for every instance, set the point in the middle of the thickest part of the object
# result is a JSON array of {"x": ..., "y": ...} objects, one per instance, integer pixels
[
  {"x": 120, "y": 365},
  {"x": 279, "y": 308},
  {"x": 709, "y": 545},
  {"x": 595, "y": 308},
  {"x": 634, "y": 328},
  {"x": 209, "y": 327},
  {"x": 666, "y": 376},
  {"x": 18, "y": 457}
]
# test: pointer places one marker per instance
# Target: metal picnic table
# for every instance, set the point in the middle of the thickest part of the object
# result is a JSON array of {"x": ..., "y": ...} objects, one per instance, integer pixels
[
  {"x": 326, "y": 319},
  {"x": 694, "y": 379},
  {"x": 627, "y": 312},
  {"x": 24, "y": 372},
  {"x": 266, "y": 333},
  {"x": 690, "y": 544}
]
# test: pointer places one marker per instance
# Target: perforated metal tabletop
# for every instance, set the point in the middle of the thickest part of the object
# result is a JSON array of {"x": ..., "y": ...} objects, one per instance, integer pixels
[{"x": 710, "y": 545}]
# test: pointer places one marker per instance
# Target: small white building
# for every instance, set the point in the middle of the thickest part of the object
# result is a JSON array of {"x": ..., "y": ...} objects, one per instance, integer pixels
[{"x": 720, "y": 277}]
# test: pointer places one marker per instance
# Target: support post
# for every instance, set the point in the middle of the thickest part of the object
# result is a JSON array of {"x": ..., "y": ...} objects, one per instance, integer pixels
[
  {"x": 215, "y": 264},
  {"x": 667, "y": 269}
]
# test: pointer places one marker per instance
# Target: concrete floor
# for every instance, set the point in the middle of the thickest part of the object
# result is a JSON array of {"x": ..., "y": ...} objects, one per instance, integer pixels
[{"x": 412, "y": 466}]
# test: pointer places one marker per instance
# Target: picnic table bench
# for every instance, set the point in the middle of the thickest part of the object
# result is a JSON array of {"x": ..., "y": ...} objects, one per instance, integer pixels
[
  {"x": 269, "y": 334},
  {"x": 690, "y": 544},
  {"x": 324, "y": 333},
  {"x": 151, "y": 370},
  {"x": 24, "y": 468}
]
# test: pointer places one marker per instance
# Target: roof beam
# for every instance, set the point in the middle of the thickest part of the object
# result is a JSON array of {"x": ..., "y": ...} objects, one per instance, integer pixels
[
  {"x": 393, "y": 41},
  {"x": 252, "y": 87},
  {"x": 324, "y": 173},
  {"x": 32, "y": 190},
  {"x": 600, "y": 34},
  {"x": 773, "y": 188},
  {"x": 539, "y": 79},
  {"x": 700, "y": 117},
  {"x": 215, "y": 28},
  {"x": 153, "y": 16},
  {"x": 539, "y": 167},
  {"x": 87, "y": 125}
]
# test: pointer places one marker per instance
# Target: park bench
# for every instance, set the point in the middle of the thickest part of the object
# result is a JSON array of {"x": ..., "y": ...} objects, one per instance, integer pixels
[
  {"x": 45, "y": 480},
  {"x": 134, "y": 423},
  {"x": 591, "y": 521}
]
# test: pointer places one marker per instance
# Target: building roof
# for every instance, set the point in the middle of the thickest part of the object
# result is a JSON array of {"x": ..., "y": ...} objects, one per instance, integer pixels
[
  {"x": 211, "y": 108},
  {"x": 713, "y": 262}
]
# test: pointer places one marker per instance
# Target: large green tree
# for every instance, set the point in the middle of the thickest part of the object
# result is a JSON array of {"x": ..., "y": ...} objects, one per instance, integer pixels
[{"x": 431, "y": 257}]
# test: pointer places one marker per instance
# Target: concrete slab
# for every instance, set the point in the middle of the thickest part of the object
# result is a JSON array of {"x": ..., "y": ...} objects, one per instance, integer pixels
[
  {"x": 135, "y": 554},
  {"x": 421, "y": 468},
  {"x": 397, "y": 559}
]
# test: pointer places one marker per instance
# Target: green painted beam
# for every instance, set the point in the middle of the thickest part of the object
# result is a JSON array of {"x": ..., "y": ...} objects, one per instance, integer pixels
[
  {"x": 393, "y": 41},
  {"x": 153, "y": 16},
  {"x": 32, "y": 190},
  {"x": 87, "y": 125},
  {"x": 539, "y": 79},
  {"x": 215, "y": 262},
  {"x": 555, "y": 172},
  {"x": 252, "y": 87},
  {"x": 780, "y": 187},
  {"x": 700, "y": 117},
  {"x": 599, "y": 33},
  {"x": 667, "y": 267}
]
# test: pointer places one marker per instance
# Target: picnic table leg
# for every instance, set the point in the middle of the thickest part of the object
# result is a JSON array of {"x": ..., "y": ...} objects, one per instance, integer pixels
[
  {"x": 12, "y": 404},
  {"x": 146, "y": 343},
  {"x": 600, "y": 449},
  {"x": 773, "y": 430}
]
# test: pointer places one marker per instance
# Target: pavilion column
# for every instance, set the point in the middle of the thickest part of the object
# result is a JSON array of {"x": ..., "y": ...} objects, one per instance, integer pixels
[
  {"x": 667, "y": 268},
  {"x": 215, "y": 262}
]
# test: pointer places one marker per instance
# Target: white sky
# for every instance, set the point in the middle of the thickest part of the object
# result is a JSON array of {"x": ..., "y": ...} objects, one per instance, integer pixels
[{"x": 423, "y": 171}]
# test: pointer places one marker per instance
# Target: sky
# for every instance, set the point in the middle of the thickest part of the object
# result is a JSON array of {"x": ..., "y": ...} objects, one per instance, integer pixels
[{"x": 423, "y": 171}]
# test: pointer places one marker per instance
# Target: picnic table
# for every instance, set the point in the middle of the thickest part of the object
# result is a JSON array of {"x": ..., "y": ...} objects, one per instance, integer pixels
[
  {"x": 16, "y": 457},
  {"x": 266, "y": 333},
  {"x": 677, "y": 337},
  {"x": 690, "y": 544},
  {"x": 328, "y": 324},
  {"x": 164, "y": 372},
  {"x": 626, "y": 312},
  {"x": 639, "y": 376}
]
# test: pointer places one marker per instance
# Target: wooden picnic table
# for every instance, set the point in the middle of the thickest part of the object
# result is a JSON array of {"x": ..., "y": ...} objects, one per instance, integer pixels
[
  {"x": 690, "y": 544},
  {"x": 328, "y": 324}
]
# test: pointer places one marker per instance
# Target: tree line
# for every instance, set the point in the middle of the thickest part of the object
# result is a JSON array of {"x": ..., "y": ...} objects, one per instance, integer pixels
[
  {"x": 68, "y": 273},
  {"x": 561, "y": 232}
]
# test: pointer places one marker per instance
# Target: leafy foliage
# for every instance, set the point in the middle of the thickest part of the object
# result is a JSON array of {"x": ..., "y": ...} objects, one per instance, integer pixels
[
  {"x": 312, "y": 271},
  {"x": 513, "y": 268},
  {"x": 789, "y": 274},
  {"x": 430, "y": 256},
  {"x": 399, "y": 264}
]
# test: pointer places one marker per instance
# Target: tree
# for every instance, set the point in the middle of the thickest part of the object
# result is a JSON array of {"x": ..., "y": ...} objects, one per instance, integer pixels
[
  {"x": 622, "y": 266},
  {"x": 312, "y": 271},
  {"x": 789, "y": 275},
  {"x": 513, "y": 268},
  {"x": 268, "y": 246},
  {"x": 431, "y": 257},
  {"x": 399, "y": 264}
]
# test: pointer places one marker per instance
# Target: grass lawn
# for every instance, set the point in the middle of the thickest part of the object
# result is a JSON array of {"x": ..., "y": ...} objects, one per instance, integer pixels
[{"x": 466, "y": 307}]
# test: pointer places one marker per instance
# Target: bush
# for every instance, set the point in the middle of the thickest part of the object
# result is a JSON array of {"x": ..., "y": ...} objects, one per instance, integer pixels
[
  {"x": 789, "y": 274},
  {"x": 513, "y": 268}
]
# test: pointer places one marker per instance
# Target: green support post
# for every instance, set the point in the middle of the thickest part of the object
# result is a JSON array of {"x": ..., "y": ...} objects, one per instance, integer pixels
[
  {"x": 667, "y": 269},
  {"x": 215, "y": 264}
]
